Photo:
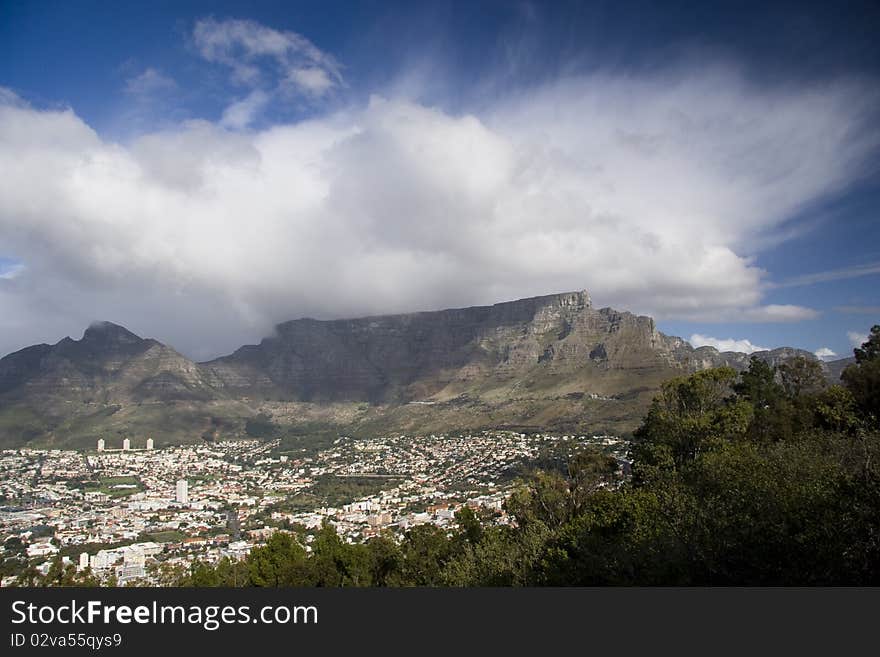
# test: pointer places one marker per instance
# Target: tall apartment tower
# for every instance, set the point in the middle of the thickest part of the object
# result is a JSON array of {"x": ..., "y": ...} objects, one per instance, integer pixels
[
  {"x": 149, "y": 443},
  {"x": 182, "y": 496},
  {"x": 101, "y": 444},
  {"x": 126, "y": 444},
  {"x": 233, "y": 524}
]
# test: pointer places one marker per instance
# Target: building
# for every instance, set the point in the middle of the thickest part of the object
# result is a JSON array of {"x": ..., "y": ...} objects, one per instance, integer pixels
[
  {"x": 103, "y": 559},
  {"x": 41, "y": 549},
  {"x": 132, "y": 555},
  {"x": 126, "y": 444},
  {"x": 233, "y": 525},
  {"x": 83, "y": 560},
  {"x": 101, "y": 444},
  {"x": 182, "y": 496},
  {"x": 149, "y": 443},
  {"x": 130, "y": 572}
]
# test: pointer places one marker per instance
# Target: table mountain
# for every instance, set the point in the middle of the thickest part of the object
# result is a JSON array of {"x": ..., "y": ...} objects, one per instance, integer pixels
[{"x": 545, "y": 363}]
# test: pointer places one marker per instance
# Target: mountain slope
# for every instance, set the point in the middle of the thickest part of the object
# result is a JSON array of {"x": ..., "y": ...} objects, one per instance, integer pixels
[
  {"x": 544, "y": 363},
  {"x": 109, "y": 363},
  {"x": 109, "y": 382}
]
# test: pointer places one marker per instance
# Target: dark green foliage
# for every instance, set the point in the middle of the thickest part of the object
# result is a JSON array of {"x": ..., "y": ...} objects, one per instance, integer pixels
[
  {"x": 870, "y": 350},
  {"x": 801, "y": 376},
  {"x": 863, "y": 378},
  {"x": 692, "y": 415},
  {"x": 261, "y": 426},
  {"x": 58, "y": 574},
  {"x": 280, "y": 562}
]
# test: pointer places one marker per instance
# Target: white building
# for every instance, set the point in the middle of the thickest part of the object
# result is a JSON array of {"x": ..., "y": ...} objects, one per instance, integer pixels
[
  {"x": 83, "y": 560},
  {"x": 182, "y": 496},
  {"x": 103, "y": 559},
  {"x": 101, "y": 444},
  {"x": 132, "y": 555},
  {"x": 126, "y": 444},
  {"x": 129, "y": 572},
  {"x": 42, "y": 549},
  {"x": 149, "y": 443}
]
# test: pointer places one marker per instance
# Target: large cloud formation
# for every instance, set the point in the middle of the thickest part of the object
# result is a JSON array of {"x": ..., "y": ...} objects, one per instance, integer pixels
[{"x": 653, "y": 192}]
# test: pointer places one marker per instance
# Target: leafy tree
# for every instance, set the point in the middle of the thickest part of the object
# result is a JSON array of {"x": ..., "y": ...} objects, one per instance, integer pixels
[
  {"x": 862, "y": 379},
  {"x": 690, "y": 415},
  {"x": 426, "y": 549},
  {"x": 469, "y": 525},
  {"x": 870, "y": 349},
  {"x": 335, "y": 563},
  {"x": 504, "y": 556},
  {"x": 385, "y": 561},
  {"x": 232, "y": 572},
  {"x": 59, "y": 574},
  {"x": 758, "y": 385},
  {"x": 203, "y": 575},
  {"x": 836, "y": 409},
  {"x": 801, "y": 375},
  {"x": 771, "y": 410},
  {"x": 281, "y": 562}
]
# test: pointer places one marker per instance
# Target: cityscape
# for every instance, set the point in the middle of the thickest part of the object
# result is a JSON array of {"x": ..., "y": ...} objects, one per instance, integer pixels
[{"x": 135, "y": 514}]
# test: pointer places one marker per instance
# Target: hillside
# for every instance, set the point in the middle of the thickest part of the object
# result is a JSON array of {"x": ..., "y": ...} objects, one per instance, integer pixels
[{"x": 544, "y": 363}]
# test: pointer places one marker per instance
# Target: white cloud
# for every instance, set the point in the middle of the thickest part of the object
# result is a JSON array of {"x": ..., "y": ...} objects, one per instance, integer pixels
[
  {"x": 844, "y": 273},
  {"x": 149, "y": 82},
  {"x": 310, "y": 80},
  {"x": 244, "y": 45},
  {"x": 858, "y": 310},
  {"x": 651, "y": 192},
  {"x": 242, "y": 113},
  {"x": 11, "y": 99},
  {"x": 824, "y": 353},
  {"x": 856, "y": 339},
  {"x": 778, "y": 313},
  {"x": 725, "y": 344}
]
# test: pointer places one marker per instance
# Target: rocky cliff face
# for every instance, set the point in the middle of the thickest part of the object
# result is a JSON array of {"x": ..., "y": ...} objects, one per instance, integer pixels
[
  {"x": 552, "y": 362},
  {"x": 399, "y": 358}
]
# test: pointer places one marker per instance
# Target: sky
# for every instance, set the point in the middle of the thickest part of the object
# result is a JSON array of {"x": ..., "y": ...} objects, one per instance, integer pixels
[{"x": 199, "y": 172}]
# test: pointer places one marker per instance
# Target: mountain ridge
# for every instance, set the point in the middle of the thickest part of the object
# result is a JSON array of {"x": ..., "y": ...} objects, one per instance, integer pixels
[{"x": 551, "y": 361}]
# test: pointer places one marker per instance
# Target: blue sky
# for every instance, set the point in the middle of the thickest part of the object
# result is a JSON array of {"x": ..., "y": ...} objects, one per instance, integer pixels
[{"x": 201, "y": 171}]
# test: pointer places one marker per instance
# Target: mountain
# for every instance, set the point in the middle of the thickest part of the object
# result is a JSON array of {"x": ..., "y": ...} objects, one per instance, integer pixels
[
  {"x": 109, "y": 363},
  {"x": 545, "y": 363},
  {"x": 111, "y": 381}
]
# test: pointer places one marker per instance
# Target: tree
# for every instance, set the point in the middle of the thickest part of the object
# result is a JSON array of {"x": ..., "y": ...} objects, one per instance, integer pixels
[
  {"x": 690, "y": 415},
  {"x": 862, "y": 379},
  {"x": 836, "y": 409},
  {"x": 281, "y": 562},
  {"x": 386, "y": 561},
  {"x": 870, "y": 349},
  {"x": 758, "y": 385},
  {"x": 426, "y": 549},
  {"x": 469, "y": 525},
  {"x": 335, "y": 563},
  {"x": 801, "y": 376}
]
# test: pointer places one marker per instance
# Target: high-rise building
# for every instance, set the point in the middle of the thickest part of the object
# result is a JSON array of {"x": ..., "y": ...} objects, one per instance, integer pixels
[
  {"x": 83, "y": 560},
  {"x": 233, "y": 525},
  {"x": 101, "y": 444},
  {"x": 182, "y": 496},
  {"x": 149, "y": 443},
  {"x": 126, "y": 444}
]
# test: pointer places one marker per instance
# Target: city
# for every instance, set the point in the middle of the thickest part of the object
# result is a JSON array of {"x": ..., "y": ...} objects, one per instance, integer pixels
[{"x": 134, "y": 514}]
